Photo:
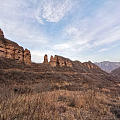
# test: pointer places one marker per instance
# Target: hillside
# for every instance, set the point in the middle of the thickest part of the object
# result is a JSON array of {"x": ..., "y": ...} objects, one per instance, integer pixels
[
  {"x": 59, "y": 89},
  {"x": 69, "y": 85},
  {"x": 116, "y": 72},
  {"x": 108, "y": 66}
]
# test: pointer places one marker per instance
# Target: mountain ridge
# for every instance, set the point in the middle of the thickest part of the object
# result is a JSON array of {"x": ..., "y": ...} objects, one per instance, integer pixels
[{"x": 108, "y": 66}]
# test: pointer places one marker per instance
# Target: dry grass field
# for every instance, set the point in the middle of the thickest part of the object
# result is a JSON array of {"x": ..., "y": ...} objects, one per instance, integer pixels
[
  {"x": 60, "y": 105},
  {"x": 39, "y": 92}
]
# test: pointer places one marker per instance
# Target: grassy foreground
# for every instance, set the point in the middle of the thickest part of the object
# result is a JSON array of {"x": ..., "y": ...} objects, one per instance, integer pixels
[{"x": 60, "y": 105}]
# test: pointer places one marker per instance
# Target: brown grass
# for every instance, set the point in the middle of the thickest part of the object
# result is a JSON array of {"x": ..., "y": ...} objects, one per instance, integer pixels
[{"x": 58, "y": 105}]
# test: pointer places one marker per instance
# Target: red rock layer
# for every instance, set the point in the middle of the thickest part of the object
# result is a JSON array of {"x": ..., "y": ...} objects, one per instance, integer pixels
[
  {"x": 12, "y": 50},
  {"x": 60, "y": 61}
]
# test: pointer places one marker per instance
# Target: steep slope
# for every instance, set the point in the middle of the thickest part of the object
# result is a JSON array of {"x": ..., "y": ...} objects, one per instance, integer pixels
[
  {"x": 116, "y": 72},
  {"x": 108, "y": 66}
]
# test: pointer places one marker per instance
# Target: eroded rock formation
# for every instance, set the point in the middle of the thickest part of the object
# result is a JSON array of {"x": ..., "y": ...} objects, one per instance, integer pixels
[
  {"x": 27, "y": 56},
  {"x": 60, "y": 61},
  {"x": 1, "y": 34},
  {"x": 53, "y": 61},
  {"x": 90, "y": 65},
  {"x": 12, "y": 50},
  {"x": 45, "y": 59}
]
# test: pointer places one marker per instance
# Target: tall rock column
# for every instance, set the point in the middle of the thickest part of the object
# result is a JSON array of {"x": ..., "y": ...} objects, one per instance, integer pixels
[
  {"x": 45, "y": 59},
  {"x": 27, "y": 56},
  {"x": 53, "y": 61},
  {"x": 1, "y": 34}
]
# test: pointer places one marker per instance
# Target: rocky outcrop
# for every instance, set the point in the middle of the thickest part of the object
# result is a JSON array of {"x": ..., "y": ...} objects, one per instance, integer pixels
[
  {"x": 12, "y": 50},
  {"x": 27, "y": 56},
  {"x": 1, "y": 34},
  {"x": 90, "y": 65},
  {"x": 53, "y": 61},
  {"x": 45, "y": 59},
  {"x": 60, "y": 61}
]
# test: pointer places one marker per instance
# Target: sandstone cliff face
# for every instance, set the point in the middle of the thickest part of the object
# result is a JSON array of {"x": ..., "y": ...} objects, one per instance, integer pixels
[
  {"x": 60, "y": 61},
  {"x": 27, "y": 56},
  {"x": 12, "y": 50},
  {"x": 53, "y": 61}
]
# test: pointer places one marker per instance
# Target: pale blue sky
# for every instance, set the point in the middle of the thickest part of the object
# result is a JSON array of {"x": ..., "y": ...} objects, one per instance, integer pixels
[{"x": 78, "y": 29}]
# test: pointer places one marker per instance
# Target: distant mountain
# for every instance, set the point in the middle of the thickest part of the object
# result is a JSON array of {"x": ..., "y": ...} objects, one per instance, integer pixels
[{"x": 108, "y": 66}]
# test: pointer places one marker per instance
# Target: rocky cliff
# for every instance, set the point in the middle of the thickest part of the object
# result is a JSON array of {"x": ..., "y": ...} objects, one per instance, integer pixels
[
  {"x": 12, "y": 50},
  {"x": 90, "y": 65},
  {"x": 58, "y": 61},
  {"x": 1, "y": 34},
  {"x": 45, "y": 59}
]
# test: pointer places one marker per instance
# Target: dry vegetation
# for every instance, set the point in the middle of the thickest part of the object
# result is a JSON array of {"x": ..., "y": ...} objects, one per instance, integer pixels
[
  {"x": 60, "y": 105},
  {"x": 39, "y": 92}
]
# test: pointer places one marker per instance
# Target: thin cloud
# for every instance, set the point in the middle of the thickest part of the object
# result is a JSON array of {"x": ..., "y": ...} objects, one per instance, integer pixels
[
  {"x": 52, "y": 10},
  {"x": 77, "y": 29},
  {"x": 17, "y": 21},
  {"x": 100, "y": 29}
]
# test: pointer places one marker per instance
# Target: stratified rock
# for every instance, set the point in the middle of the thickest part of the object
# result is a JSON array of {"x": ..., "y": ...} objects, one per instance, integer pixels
[
  {"x": 27, "y": 56},
  {"x": 19, "y": 54},
  {"x": 68, "y": 63},
  {"x": 90, "y": 65},
  {"x": 12, "y": 50},
  {"x": 60, "y": 61},
  {"x": 45, "y": 59},
  {"x": 53, "y": 61},
  {"x": 2, "y": 49}
]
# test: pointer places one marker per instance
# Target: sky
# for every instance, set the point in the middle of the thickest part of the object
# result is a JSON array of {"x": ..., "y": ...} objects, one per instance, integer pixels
[{"x": 84, "y": 30}]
